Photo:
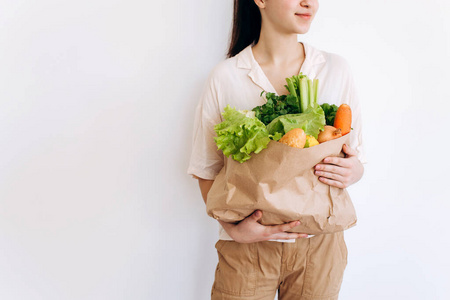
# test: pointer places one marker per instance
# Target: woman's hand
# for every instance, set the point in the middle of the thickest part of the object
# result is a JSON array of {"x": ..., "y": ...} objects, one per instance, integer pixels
[
  {"x": 250, "y": 231},
  {"x": 340, "y": 172}
]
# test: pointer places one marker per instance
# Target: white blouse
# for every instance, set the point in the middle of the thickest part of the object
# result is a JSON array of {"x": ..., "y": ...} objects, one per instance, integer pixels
[{"x": 239, "y": 81}]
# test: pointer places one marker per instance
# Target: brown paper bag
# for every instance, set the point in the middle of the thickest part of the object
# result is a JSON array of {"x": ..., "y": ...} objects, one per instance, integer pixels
[{"x": 280, "y": 181}]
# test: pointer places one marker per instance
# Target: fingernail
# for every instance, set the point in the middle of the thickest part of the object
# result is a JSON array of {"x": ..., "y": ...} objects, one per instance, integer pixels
[
  {"x": 326, "y": 160},
  {"x": 297, "y": 223}
]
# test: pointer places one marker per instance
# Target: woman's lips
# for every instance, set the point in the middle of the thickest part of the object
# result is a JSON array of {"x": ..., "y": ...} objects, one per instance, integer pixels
[{"x": 304, "y": 16}]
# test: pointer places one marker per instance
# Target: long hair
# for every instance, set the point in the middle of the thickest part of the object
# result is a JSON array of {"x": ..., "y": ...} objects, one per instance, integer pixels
[{"x": 246, "y": 26}]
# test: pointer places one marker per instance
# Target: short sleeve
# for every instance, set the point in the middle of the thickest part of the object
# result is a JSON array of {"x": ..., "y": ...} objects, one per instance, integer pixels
[
  {"x": 206, "y": 160},
  {"x": 356, "y": 138}
]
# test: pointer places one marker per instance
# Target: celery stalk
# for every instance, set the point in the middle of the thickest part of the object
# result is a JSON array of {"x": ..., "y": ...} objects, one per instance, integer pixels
[
  {"x": 290, "y": 86},
  {"x": 311, "y": 93},
  {"x": 316, "y": 87},
  {"x": 304, "y": 101}
]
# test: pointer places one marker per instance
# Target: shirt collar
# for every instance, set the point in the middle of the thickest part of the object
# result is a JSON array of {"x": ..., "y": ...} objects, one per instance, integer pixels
[{"x": 246, "y": 60}]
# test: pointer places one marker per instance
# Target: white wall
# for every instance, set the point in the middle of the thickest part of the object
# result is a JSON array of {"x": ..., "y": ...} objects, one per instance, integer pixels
[{"x": 96, "y": 107}]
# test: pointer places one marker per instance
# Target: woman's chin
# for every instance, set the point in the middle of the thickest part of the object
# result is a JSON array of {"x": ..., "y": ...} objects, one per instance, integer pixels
[{"x": 302, "y": 30}]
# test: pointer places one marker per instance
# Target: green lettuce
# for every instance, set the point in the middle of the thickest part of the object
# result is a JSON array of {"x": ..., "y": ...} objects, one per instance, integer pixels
[
  {"x": 239, "y": 135},
  {"x": 312, "y": 121}
]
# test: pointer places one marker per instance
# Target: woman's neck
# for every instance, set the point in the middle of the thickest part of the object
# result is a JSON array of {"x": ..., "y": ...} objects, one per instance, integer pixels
[{"x": 277, "y": 50}]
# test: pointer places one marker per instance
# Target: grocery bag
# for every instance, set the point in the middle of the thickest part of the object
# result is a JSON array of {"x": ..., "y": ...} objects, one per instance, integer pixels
[{"x": 280, "y": 181}]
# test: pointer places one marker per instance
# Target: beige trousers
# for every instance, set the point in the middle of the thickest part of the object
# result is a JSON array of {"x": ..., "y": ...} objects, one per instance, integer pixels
[{"x": 309, "y": 269}]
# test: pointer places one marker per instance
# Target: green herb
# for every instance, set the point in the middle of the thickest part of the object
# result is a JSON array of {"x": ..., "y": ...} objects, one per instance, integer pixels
[
  {"x": 276, "y": 106},
  {"x": 330, "y": 113}
]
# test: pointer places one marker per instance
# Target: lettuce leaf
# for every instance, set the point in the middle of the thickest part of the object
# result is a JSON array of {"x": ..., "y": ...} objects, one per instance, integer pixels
[
  {"x": 239, "y": 135},
  {"x": 312, "y": 121}
]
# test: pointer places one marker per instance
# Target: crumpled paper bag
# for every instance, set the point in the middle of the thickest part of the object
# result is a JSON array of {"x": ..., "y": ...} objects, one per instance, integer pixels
[{"x": 280, "y": 181}]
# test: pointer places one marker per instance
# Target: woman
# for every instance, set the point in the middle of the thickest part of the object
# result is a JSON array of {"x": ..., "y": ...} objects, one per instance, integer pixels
[{"x": 256, "y": 261}]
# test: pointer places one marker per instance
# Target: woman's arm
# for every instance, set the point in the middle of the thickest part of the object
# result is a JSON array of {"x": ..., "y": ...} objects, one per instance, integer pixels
[
  {"x": 205, "y": 186},
  {"x": 249, "y": 230}
]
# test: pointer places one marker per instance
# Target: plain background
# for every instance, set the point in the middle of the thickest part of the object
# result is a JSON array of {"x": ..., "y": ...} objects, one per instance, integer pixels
[{"x": 97, "y": 100}]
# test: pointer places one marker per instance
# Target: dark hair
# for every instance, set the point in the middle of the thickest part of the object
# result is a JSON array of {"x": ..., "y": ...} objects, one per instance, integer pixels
[{"x": 246, "y": 26}]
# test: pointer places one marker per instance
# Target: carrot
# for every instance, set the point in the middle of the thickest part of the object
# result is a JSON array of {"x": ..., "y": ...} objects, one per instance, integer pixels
[{"x": 343, "y": 119}]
